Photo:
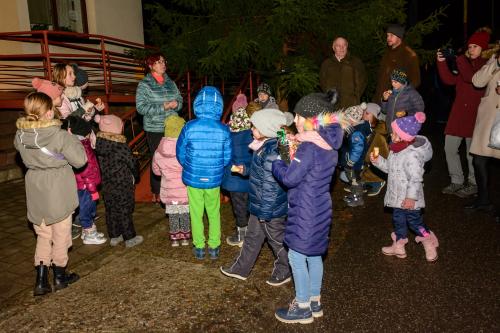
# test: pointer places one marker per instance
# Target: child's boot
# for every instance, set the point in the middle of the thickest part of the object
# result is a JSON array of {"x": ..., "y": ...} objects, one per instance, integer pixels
[
  {"x": 295, "y": 313},
  {"x": 238, "y": 237},
  {"x": 430, "y": 243},
  {"x": 397, "y": 248},
  {"x": 316, "y": 308},
  {"x": 61, "y": 278},
  {"x": 42, "y": 285}
]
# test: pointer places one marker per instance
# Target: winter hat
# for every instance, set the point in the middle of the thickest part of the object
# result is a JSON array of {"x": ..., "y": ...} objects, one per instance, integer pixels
[
  {"x": 396, "y": 29},
  {"x": 239, "y": 120},
  {"x": 355, "y": 113},
  {"x": 109, "y": 123},
  {"x": 81, "y": 77},
  {"x": 480, "y": 38},
  {"x": 78, "y": 125},
  {"x": 399, "y": 75},
  {"x": 51, "y": 89},
  {"x": 240, "y": 102},
  {"x": 173, "y": 126},
  {"x": 408, "y": 127},
  {"x": 316, "y": 103},
  {"x": 290, "y": 118},
  {"x": 268, "y": 121},
  {"x": 374, "y": 109},
  {"x": 265, "y": 88}
]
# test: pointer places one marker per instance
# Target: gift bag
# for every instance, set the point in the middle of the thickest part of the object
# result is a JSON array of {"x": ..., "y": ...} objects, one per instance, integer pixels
[{"x": 495, "y": 132}]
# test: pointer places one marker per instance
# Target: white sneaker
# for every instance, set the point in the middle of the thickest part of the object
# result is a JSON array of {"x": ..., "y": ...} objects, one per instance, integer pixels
[
  {"x": 100, "y": 234},
  {"x": 93, "y": 238}
]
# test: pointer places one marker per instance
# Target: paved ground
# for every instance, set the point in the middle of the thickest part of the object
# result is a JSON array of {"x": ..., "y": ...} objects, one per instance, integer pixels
[{"x": 156, "y": 288}]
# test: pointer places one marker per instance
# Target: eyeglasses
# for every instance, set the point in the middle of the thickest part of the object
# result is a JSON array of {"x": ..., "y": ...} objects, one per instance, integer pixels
[{"x": 161, "y": 61}]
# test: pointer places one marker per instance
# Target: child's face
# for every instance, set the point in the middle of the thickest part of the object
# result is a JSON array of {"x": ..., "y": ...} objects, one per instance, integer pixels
[
  {"x": 395, "y": 137},
  {"x": 69, "y": 80},
  {"x": 368, "y": 117},
  {"x": 263, "y": 97},
  {"x": 256, "y": 134},
  {"x": 299, "y": 123},
  {"x": 396, "y": 85}
]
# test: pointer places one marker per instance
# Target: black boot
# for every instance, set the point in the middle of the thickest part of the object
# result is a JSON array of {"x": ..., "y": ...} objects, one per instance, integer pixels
[
  {"x": 61, "y": 279},
  {"x": 42, "y": 285}
]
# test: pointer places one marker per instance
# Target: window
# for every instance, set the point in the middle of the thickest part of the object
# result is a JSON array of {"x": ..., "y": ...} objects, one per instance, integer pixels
[{"x": 62, "y": 15}]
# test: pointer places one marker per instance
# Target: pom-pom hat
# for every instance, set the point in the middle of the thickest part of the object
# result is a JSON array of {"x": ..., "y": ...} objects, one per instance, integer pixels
[
  {"x": 316, "y": 103},
  {"x": 51, "y": 89},
  {"x": 268, "y": 121},
  {"x": 240, "y": 102},
  {"x": 408, "y": 127}
]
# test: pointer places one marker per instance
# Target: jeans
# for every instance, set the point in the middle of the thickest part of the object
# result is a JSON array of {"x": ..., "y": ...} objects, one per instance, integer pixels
[
  {"x": 404, "y": 218},
  {"x": 88, "y": 209},
  {"x": 307, "y": 275}
]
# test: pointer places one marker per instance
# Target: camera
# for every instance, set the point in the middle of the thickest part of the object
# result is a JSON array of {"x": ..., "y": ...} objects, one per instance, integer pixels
[{"x": 451, "y": 59}]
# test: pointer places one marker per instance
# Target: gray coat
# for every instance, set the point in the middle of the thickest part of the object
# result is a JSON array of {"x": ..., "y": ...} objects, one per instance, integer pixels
[
  {"x": 406, "y": 173},
  {"x": 408, "y": 100}
]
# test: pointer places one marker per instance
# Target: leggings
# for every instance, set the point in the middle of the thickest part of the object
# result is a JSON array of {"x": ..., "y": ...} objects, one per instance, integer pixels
[{"x": 481, "y": 174}]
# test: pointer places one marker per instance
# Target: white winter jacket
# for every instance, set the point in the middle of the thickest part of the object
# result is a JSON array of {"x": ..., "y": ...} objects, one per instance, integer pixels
[{"x": 406, "y": 173}]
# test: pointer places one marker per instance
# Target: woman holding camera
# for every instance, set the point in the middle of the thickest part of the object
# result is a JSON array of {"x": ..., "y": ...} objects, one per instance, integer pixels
[{"x": 463, "y": 113}]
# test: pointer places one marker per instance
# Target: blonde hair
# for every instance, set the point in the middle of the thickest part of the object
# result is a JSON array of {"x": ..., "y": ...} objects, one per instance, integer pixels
[
  {"x": 36, "y": 105},
  {"x": 59, "y": 74},
  {"x": 253, "y": 107}
]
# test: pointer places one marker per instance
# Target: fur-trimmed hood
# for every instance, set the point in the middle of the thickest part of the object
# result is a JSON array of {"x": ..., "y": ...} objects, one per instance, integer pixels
[
  {"x": 37, "y": 134},
  {"x": 112, "y": 137}
]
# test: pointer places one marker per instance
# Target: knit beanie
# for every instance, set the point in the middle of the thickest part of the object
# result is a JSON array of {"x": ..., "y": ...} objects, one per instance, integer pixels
[
  {"x": 78, "y": 125},
  {"x": 316, "y": 103},
  {"x": 240, "y": 102},
  {"x": 109, "y": 123},
  {"x": 355, "y": 113},
  {"x": 408, "y": 127},
  {"x": 396, "y": 29},
  {"x": 399, "y": 75},
  {"x": 51, "y": 89},
  {"x": 265, "y": 88},
  {"x": 81, "y": 77},
  {"x": 480, "y": 38},
  {"x": 173, "y": 126},
  {"x": 374, "y": 109},
  {"x": 239, "y": 120},
  {"x": 268, "y": 121}
]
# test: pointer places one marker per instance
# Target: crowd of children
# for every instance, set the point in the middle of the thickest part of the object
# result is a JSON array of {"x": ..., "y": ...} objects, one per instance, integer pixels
[{"x": 278, "y": 180}]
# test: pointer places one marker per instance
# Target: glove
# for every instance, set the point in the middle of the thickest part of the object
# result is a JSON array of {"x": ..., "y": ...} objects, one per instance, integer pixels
[{"x": 95, "y": 196}]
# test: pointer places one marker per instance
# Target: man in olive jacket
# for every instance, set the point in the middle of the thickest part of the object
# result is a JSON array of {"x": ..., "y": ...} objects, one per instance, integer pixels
[{"x": 344, "y": 72}]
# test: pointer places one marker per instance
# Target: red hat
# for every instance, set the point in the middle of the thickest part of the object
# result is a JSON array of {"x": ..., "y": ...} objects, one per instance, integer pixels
[
  {"x": 51, "y": 89},
  {"x": 240, "y": 102},
  {"x": 480, "y": 38}
]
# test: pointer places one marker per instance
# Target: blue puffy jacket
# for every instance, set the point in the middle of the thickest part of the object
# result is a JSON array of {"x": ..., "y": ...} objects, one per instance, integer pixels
[
  {"x": 308, "y": 180},
  {"x": 204, "y": 144},
  {"x": 267, "y": 198},
  {"x": 355, "y": 147},
  {"x": 241, "y": 155}
]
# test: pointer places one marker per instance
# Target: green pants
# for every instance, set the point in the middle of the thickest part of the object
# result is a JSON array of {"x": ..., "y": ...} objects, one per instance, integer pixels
[{"x": 199, "y": 199}]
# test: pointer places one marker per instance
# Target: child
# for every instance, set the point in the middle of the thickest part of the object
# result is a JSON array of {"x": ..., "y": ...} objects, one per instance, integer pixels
[
  {"x": 233, "y": 182},
  {"x": 87, "y": 180},
  {"x": 203, "y": 150},
  {"x": 308, "y": 180},
  {"x": 49, "y": 152},
  {"x": 353, "y": 152},
  {"x": 267, "y": 202},
  {"x": 173, "y": 192},
  {"x": 405, "y": 192},
  {"x": 265, "y": 99},
  {"x": 119, "y": 173},
  {"x": 402, "y": 100}
]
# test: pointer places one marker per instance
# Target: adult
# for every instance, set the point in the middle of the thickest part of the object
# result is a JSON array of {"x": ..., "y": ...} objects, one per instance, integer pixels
[
  {"x": 463, "y": 113},
  {"x": 397, "y": 55},
  {"x": 488, "y": 76},
  {"x": 157, "y": 97},
  {"x": 344, "y": 72}
]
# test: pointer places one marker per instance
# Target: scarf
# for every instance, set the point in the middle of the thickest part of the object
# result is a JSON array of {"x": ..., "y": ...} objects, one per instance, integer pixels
[
  {"x": 396, "y": 147},
  {"x": 314, "y": 137},
  {"x": 159, "y": 78}
]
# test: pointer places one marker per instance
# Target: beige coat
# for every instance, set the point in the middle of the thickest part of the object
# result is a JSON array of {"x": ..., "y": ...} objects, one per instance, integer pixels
[
  {"x": 487, "y": 76},
  {"x": 50, "y": 182}
]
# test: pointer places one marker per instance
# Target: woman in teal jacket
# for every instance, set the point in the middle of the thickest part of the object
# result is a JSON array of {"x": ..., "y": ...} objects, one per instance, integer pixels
[{"x": 157, "y": 97}]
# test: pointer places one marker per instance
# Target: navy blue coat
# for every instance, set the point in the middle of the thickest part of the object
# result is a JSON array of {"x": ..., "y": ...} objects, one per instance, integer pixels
[
  {"x": 267, "y": 198},
  {"x": 308, "y": 180},
  {"x": 241, "y": 155}
]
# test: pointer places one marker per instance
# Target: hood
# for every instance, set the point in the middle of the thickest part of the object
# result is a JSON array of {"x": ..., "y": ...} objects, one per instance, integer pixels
[
  {"x": 166, "y": 148},
  {"x": 208, "y": 103},
  {"x": 332, "y": 134},
  {"x": 364, "y": 127},
  {"x": 423, "y": 146},
  {"x": 37, "y": 134}
]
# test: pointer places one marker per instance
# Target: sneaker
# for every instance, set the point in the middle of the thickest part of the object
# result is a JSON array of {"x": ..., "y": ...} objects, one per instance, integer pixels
[
  {"x": 75, "y": 231},
  {"x": 354, "y": 200},
  {"x": 93, "y": 238},
  {"x": 116, "y": 240},
  {"x": 452, "y": 188},
  {"x": 100, "y": 234},
  {"x": 295, "y": 314},
  {"x": 199, "y": 253},
  {"x": 374, "y": 188},
  {"x": 214, "y": 253},
  {"x": 134, "y": 241},
  {"x": 238, "y": 237},
  {"x": 175, "y": 243},
  {"x": 275, "y": 281},
  {"x": 184, "y": 242},
  {"x": 227, "y": 272},
  {"x": 317, "y": 310},
  {"x": 348, "y": 189},
  {"x": 467, "y": 191}
]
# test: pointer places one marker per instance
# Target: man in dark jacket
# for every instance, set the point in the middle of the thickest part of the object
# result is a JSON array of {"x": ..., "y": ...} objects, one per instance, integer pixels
[{"x": 344, "y": 72}]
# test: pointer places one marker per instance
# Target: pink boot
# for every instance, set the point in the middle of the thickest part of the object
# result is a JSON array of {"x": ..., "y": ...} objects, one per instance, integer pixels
[
  {"x": 430, "y": 243},
  {"x": 397, "y": 248}
]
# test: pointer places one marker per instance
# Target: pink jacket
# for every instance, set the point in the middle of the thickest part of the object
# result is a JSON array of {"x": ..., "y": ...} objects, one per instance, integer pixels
[
  {"x": 165, "y": 165},
  {"x": 89, "y": 177}
]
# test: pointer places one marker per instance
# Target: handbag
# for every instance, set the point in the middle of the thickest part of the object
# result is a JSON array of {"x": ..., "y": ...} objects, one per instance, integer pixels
[{"x": 495, "y": 132}]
